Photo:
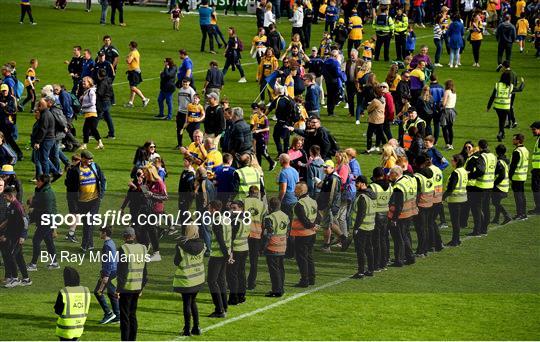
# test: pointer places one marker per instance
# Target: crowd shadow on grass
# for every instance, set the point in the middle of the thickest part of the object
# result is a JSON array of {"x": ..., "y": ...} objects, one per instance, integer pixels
[{"x": 30, "y": 320}]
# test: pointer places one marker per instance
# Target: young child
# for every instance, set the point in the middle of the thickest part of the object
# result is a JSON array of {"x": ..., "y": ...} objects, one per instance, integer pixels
[
  {"x": 220, "y": 40},
  {"x": 331, "y": 16},
  {"x": 340, "y": 33},
  {"x": 159, "y": 163},
  {"x": 258, "y": 45},
  {"x": 325, "y": 46},
  {"x": 367, "y": 47},
  {"x": 195, "y": 116},
  {"x": 26, "y": 7},
  {"x": 522, "y": 28},
  {"x": 434, "y": 154},
  {"x": 176, "y": 13},
  {"x": 410, "y": 40},
  {"x": 14, "y": 232},
  {"x": 29, "y": 84},
  {"x": 301, "y": 123},
  {"x": 295, "y": 42},
  {"x": 261, "y": 133}
]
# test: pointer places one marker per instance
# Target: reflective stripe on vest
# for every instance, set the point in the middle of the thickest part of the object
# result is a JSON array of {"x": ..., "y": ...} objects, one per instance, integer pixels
[
  {"x": 310, "y": 209},
  {"x": 70, "y": 323},
  {"x": 256, "y": 208},
  {"x": 459, "y": 194},
  {"x": 248, "y": 176},
  {"x": 227, "y": 236},
  {"x": 369, "y": 219},
  {"x": 487, "y": 180},
  {"x": 504, "y": 185},
  {"x": 277, "y": 243},
  {"x": 425, "y": 193},
  {"x": 536, "y": 155},
  {"x": 503, "y": 94},
  {"x": 409, "y": 188},
  {"x": 383, "y": 197},
  {"x": 135, "y": 254},
  {"x": 470, "y": 181},
  {"x": 522, "y": 167},
  {"x": 437, "y": 184},
  {"x": 190, "y": 272},
  {"x": 240, "y": 243}
]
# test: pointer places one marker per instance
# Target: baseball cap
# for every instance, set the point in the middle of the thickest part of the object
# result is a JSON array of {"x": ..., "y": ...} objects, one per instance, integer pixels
[
  {"x": 341, "y": 20},
  {"x": 213, "y": 95},
  {"x": 314, "y": 49},
  {"x": 101, "y": 53},
  {"x": 361, "y": 179},
  {"x": 4, "y": 87},
  {"x": 87, "y": 154},
  {"x": 535, "y": 125},
  {"x": 254, "y": 105},
  {"x": 328, "y": 163}
]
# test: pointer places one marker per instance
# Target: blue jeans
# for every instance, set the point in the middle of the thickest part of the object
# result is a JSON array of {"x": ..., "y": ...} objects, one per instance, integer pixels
[
  {"x": 44, "y": 152},
  {"x": 438, "y": 51},
  {"x": 204, "y": 232},
  {"x": 454, "y": 56},
  {"x": 111, "y": 289},
  {"x": 58, "y": 156},
  {"x": 276, "y": 8},
  {"x": 105, "y": 114},
  {"x": 104, "y": 7},
  {"x": 167, "y": 96},
  {"x": 419, "y": 14}
]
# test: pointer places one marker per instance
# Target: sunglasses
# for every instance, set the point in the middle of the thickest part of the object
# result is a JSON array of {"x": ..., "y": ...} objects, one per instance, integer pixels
[{"x": 152, "y": 146}]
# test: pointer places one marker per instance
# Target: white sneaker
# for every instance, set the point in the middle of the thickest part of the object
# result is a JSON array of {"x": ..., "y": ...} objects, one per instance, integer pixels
[
  {"x": 273, "y": 118},
  {"x": 439, "y": 65},
  {"x": 155, "y": 257},
  {"x": 31, "y": 267},
  {"x": 451, "y": 66},
  {"x": 26, "y": 282},
  {"x": 13, "y": 283},
  {"x": 450, "y": 147},
  {"x": 145, "y": 102},
  {"x": 358, "y": 122},
  {"x": 346, "y": 106},
  {"x": 242, "y": 80},
  {"x": 377, "y": 149},
  {"x": 53, "y": 266},
  {"x": 372, "y": 149},
  {"x": 129, "y": 105},
  {"x": 478, "y": 65},
  {"x": 6, "y": 281}
]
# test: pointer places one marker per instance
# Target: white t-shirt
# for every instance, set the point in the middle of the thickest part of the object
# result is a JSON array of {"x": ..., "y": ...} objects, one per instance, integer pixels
[
  {"x": 450, "y": 99},
  {"x": 269, "y": 18},
  {"x": 185, "y": 97}
]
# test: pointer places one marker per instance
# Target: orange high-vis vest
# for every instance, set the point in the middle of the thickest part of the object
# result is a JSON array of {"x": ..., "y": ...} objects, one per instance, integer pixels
[
  {"x": 408, "y": 187},
  {"x": 426, "y": 191},
  {"x": 407, "y": 141},
  {"x": 277, "y": 242}
]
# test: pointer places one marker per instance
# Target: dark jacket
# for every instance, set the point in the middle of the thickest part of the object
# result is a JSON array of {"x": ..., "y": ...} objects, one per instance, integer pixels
[
  {"x": 186, "y": 188},
  {"x": 476, "y": 166},
  {"x": 9, "y": 109},
  {"x": 330, "y": 195},
  {"x": 506, "y": 33},
  {"x": 240, "y": 138},
  {"x": 43, "y": 202},
  {"x": 104, "y": 92},
  {"x": 75, "y": 65},
  {"x": 285, "y": 109},
  {"x": 15, "y": 227},
  {"x": 318, "y": 137},
  {"x": 45, "y": 127},
  {"x": 167, "y": 79},
  {"x": 273, "y": 40},
  {"x": 361, "y": 206},
  {"x": 66, "y": 103},
  {"x": 214, "y": 121},
  {"x": 72, "y": 183}
]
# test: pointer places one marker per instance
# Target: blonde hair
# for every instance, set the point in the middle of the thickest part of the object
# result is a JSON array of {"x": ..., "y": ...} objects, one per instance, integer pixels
[
  {"x": 89, "y": 80},
  {"x": 388, "y": 152},
  {"x": 268, "y": 6},
  {"x": 351, "y": 152},
  {"x": 342, "y": 157},
  {"x": 152, "y": 172},
  {"x": 191, "y": 232}
]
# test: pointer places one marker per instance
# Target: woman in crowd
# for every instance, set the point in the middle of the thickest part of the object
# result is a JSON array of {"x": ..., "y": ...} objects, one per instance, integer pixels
[
  {"x": 233, "y": 56},
  {"x": 156, "y": 192},
  {"x": 298, "y": 156},
  {"x": 167, "y": 88},
  {"x": 438, "y": 40},
  {"x": 449, "y": 113},
  {"x": 11, "y": 181},
  {"x": 424, "y": 107},
  {"x": 455, "y": 34},
  {"x": 89, "y": 111},
  {"x": 150, "y": 148},
  {"x": 388, "y": 157},
  {"x": 269, "y": 17},
  {"x": 476, "y": 29},
  {"x": 375, "y": 111}
]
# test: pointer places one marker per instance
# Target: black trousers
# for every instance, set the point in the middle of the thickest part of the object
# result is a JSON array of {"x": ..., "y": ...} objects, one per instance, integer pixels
[
  {"x": 254, "y": 252},
  {"x": 217, "y": 283},
  {"x": 332, "y": 91},
  {"x": 505, "y": 48},
  {"x": 404, "y": 228},
  {"x": 448, "y": 133},
  {"x": 438, "y": 211},
  {"x": 496, "y": 198},
  {"x": 91, "y": 207},
  {"x": 383, "y": 41},
  {"x": 376, "y": 129},
  {"x": 434, "y": 239},
  {"x": 231, "y": 3},
  {"x": 277, "y": 273},
  {"x": 90, "y": 128},
  {"x": 206, "y": 31},
  {"x": 475, "y": 44},
  {"x": 401, "y": 50},
  {"x": 43, "y": 233},
  {"x": 518, "y": 188},
  {"x": 351, "y": 94},
  {"x": 307, "y": 34},
  {"x": 117, "y": 6},
  {"x": 535, "y": 188},
  {"x": 398, "y": 243},
  {"x": 303, "y": 251},
  {"x": 455, "y": 216},
  {"x": 387, "y": 130},
  {"x": 475, "y": 203},
  {"x": 352, "y": 43},
  {"x": 190, "y": 309},
  {"x": 14, "y": 259},
  {"x": 380, "y": 241},
  {"x": 502, "y": 114},
  {"x": 180, "y": 121},
  {"x": 236, "y": 275},
  {"x": 422, "y": 230},
  {"x": 128, "y": 316},
  {"x": 486, "y": 196},
  {"x": 281, "y": 133},
  {"x": 364, "y": 250},
  {"x": 261, "y": 150},
  {"x": 30, "y": 97},
  {"x": 24, "y": 10}
]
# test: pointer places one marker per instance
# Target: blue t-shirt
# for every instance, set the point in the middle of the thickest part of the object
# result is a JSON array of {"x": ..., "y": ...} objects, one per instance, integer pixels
[
  {"x": 187, "y": 64},
  {"x": 10, "y": 82},
  {"x": 290, "y": 177},
  {"x": 204, "y": 15},
  {"x": 224, "y": 177}
]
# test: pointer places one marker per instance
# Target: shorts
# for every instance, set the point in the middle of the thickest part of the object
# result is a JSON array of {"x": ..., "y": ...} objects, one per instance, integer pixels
[
  {"x": 134, "y": 78},
  {"x": 521, "y": 37},
  {"x": 327, "y": 218}
]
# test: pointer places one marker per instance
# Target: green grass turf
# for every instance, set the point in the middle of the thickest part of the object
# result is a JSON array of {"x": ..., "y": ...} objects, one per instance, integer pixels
[{"x": 487, "y": 289}]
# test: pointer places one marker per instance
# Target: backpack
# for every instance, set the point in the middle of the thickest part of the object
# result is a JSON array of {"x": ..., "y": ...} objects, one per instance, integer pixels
[
  {"x": 19, "y": 87},
  {"x": 75, "y": 104},
  {"x": 240, "y": 44}
]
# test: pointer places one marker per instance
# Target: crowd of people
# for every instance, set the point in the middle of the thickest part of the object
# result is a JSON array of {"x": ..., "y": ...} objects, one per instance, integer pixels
[{"x": 320, "y": 185}]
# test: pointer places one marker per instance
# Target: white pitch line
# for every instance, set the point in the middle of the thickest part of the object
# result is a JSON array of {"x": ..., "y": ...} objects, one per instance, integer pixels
[
  {"x": 195, "y": 72},
  {"x": 300, "y": 295}
]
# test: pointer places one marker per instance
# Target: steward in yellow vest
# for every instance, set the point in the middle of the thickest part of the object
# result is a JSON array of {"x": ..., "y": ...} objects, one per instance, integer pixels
[
  {"x": 501, "y": 99},
  {"x": 401, "y": 24},
  {"x": 383, "y": 190},
  {"x": 245, "y": 177},
  {"x": 303, "y": 228},
  {"x": 189, "y": 275},
  {"x": 428, "y": 235},
  {"x": 501, "y": 185},
  {"x": 236, "y": 272},
  {"x": 456, "y": 196},
  {"x": 220, "y": 257},
  {"x": 535, "y": 172},
  {"x": 72, "y": 304},
  {"x": 519, "y": 167},
  {"x": 363, "y": 212},
  {"x": 257, "y": 210},
  {"x": 131, "y": 278},
  {"x": 275, "y": 228}
]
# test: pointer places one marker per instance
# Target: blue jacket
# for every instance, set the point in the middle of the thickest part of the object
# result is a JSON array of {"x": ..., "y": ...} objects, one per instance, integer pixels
[
  {"x": 109, "y": 264},
  {"x": 186, "y": 65},
  {"x": 313, "y": 98},
  {"x": 88, "y": 66},
  {"x": 332, "y": 72},
  {"x": 437, "y": 92},
  {"x": 455, "y": 35},
  {"x": 66, "y": 103},
  {"x": 204, "y": 15},
  {"x": 333, "y": 10}
]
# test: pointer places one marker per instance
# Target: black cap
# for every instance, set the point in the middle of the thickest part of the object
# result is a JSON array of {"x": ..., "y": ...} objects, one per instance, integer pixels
[
  {"x": 101, "y": 53},
  {"x": 535, "y": 125},
  {"x": 361, "y": 179},
  {"x": 254, "y": 105}
]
